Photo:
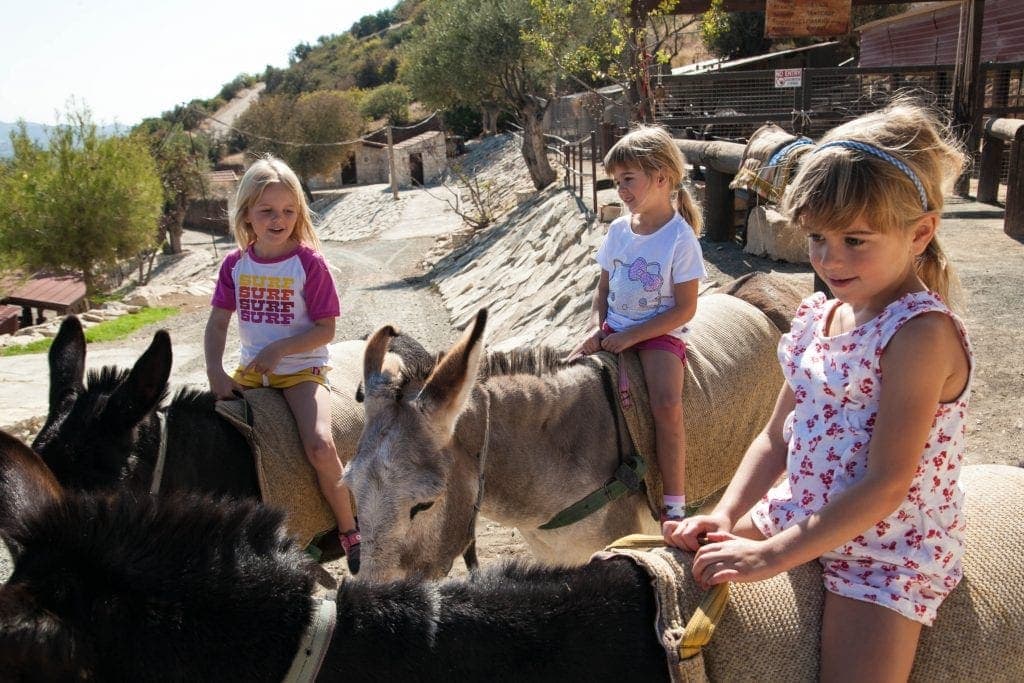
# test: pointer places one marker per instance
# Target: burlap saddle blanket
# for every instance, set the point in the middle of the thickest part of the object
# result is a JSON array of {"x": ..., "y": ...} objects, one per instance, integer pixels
[
  {"x": 732, "y": 379},
  {"x": 769, "y": 161},
  {"x": 287, "y": 479},
  {"x": 769, "y": 630}
]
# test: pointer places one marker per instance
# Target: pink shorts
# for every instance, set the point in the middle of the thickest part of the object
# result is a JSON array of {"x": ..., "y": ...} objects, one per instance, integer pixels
[{"x": 665, "y": 342}]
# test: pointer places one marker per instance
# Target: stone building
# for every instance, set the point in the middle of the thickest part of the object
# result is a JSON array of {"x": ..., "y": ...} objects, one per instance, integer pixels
[{"x": 419, "y": 160}]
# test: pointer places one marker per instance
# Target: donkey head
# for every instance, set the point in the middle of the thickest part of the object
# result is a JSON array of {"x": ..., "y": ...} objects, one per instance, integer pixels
[
  {"x": 26, "y": 487},
  {"x": 414, "y": 481},
  {"x": 98, "y": 436}
]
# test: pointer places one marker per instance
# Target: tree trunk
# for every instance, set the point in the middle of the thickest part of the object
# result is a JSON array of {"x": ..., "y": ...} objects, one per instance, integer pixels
[
  {"x": 306, "y": 191},
  {"x": 489, "y": 113},
  {"x": 534, "y": 146},
  {"x": 88, "y": 279},
  {"x": 174, "y": 226}
]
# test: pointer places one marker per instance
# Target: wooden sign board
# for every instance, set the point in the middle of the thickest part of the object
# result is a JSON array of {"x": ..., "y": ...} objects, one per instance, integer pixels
[{"x": 800, "y": 18}]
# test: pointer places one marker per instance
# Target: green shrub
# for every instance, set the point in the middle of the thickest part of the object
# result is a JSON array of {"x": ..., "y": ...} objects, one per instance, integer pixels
[
  {"x": 110, "y": 330},
  {"x": 389, "y": 101}
]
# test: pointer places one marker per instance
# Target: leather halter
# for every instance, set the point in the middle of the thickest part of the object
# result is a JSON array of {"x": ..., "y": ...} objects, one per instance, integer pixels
[
  {"x": 161, "y": 458},
  {"x": 315, "y": 641},
  {"x": 482, "y": 458}
]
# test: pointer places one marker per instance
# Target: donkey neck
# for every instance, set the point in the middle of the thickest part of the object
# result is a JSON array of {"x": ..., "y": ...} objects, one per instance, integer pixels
[
  {"x": 551, "y": 438},
  {"x": 204, "y": 452},
  {"x": 602, "y": 627}
]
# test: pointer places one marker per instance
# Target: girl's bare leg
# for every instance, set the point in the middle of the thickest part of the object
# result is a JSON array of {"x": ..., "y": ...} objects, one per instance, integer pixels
[
  {"x": 862, "y": 641},
  {"x": 311, "y": 404},
  {"x": 663, "y": 373}
]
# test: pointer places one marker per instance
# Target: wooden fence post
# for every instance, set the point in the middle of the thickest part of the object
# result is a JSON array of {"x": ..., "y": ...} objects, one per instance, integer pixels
[
  {"x": 565, "y": 162},
  {"x": 990, "y": 166},
  {"x": 719, "y": 214},
  {"x": 1013, "y": 219},
  {"x": 579, "y": 158}
]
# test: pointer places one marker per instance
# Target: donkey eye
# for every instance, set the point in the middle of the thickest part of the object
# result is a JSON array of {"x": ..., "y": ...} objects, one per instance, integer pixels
[{"x": 420, "y": 507}]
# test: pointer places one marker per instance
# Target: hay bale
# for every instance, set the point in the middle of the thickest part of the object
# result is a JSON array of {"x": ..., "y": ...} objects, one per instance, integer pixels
[{"x": 770, "y": 629}]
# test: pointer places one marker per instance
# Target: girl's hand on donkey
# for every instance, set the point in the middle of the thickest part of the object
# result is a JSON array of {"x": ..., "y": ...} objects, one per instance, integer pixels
[
  {"x": 725, "y": 557},
  {"x": 223, "y": 387},
  {"x": 591, "y": 344},
  {"x": 691, "y": 533}
]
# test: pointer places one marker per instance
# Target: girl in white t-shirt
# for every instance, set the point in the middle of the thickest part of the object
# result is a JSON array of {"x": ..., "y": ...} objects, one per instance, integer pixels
[{"x": 651, "y": 264}]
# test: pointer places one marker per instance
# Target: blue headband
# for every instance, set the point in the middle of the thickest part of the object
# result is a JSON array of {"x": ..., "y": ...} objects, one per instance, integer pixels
[
  {"x": 781, "y": 154},
  {"x": 870, "y": 149}
]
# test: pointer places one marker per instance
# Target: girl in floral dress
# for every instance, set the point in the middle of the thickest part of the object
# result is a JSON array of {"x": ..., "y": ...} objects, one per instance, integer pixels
[{"x": 859, "y": 465}]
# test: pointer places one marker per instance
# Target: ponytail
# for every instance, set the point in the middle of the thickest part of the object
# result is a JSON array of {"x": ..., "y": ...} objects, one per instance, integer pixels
[
  {"x": 688, "y": 209},
  {"x": 938, "y": 275}
]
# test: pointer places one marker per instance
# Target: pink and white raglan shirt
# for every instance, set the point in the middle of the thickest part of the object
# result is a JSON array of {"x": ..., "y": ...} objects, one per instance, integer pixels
[
  {"x": 911, "y": 560},
  {"x": 275, "y": 299}
]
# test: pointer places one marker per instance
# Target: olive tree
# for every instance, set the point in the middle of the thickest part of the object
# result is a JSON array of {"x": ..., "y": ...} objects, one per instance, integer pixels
[
  {"x": 597, "y": 43},
  {"x": 475, "y": 53},
  {"x": 182, "y": 162},
  {"x": 304, "y": 130},
  {"x": 83, "y": 203}
]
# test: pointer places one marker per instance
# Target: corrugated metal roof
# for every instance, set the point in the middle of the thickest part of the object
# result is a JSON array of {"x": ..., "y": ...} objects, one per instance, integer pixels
[{"x": 924, "y": 37}]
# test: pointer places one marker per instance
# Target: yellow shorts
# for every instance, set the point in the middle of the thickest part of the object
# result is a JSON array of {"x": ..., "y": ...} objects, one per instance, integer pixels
[{"x": 254, "y": 379}]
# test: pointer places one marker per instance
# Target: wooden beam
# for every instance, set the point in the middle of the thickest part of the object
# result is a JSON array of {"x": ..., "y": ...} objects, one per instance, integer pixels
[
  {"x": 644, "y": 7},
  {"x": 967, "y": 82}
]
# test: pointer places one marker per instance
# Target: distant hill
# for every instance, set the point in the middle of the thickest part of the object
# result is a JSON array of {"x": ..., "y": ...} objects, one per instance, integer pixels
[{"x": 39, "y": 132}]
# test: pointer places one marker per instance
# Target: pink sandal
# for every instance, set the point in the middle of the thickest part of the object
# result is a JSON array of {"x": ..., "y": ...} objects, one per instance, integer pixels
[{"x": 350, "y": 541}]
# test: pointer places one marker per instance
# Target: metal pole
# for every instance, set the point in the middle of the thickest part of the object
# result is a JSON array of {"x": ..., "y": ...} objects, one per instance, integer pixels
[
  {"x": 391, "y": 165},
  {"x": 593, "y": 169}
]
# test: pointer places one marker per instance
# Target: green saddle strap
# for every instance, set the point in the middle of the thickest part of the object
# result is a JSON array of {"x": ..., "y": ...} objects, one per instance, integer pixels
[{"x": 629, "y": 476}]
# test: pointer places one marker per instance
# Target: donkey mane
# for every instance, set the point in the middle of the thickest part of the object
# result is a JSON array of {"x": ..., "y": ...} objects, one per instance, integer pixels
[
  {"x": 106, "y": 378},
  {"x": 418, "y": 363},
  {"x": 538, "y": 361},
  {"x": 192, "y": 399}
]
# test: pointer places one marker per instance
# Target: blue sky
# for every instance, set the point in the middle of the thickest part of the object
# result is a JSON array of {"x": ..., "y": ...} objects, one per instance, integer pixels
[{"x": 130, "y": 59}]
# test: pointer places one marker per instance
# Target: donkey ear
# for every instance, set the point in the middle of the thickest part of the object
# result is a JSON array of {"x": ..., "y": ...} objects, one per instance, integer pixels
[
  {"x": 373, "y": 354},
  {"x": 146, "y": 384},
  {"x": 26, "y": 486},
  {"x": 447, "y": 389},
  {"x": 67, "y": 361}
]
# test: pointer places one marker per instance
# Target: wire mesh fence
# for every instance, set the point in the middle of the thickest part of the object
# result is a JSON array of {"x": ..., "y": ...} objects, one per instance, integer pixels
[{"x": 732, "y": 105}]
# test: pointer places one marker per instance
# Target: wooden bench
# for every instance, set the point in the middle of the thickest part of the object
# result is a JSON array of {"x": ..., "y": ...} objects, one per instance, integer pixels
[{"x": 62, "y": 294}]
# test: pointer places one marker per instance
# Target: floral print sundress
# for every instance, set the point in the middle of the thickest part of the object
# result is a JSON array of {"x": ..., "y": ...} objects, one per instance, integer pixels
[{"x": 910, "y": 560}]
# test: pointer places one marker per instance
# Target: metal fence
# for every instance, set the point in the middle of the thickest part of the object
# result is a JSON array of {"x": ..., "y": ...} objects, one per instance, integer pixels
[{"x": 732, "y": 105}]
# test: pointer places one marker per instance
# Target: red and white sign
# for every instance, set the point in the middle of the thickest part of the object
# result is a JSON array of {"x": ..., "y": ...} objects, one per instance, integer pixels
[{"x": 789, "y": 78}]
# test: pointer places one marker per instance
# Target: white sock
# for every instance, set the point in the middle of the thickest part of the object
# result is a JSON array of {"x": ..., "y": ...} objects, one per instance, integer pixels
[{"x": 675, "y": 506}]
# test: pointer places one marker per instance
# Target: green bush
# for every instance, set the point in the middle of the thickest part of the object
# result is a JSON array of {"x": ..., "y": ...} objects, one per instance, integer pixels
[
  {"x": 389, "y": 101},
  {"x": 111, "y": 330}
]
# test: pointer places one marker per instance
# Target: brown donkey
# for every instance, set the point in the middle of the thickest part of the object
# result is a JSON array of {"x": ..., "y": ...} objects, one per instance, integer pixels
[{"x": 519, "y": 436}]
